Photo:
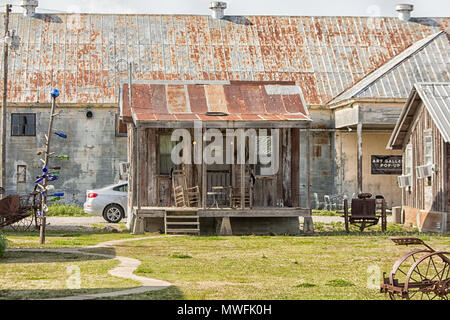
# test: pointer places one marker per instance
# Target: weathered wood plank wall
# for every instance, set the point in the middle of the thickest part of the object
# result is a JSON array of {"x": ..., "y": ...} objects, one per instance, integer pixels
[{"x": 424, "y": 195}]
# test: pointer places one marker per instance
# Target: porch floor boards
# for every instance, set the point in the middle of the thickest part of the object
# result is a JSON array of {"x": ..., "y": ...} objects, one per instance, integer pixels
[{"x": 264, "y": 212}]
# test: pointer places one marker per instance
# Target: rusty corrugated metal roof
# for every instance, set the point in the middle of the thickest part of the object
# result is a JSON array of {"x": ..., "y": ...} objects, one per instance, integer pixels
[
  {"x": 212, "y": 102},
  {"x": 86, "y": 56}
]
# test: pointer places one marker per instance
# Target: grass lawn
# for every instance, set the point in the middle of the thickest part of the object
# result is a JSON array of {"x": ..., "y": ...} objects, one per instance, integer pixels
[
  {"x": 327, "y": 213},
  {"x": 62, "y": 239},
  {"x": 37, "y": 275},
  {"x": 329, "y": 265}
]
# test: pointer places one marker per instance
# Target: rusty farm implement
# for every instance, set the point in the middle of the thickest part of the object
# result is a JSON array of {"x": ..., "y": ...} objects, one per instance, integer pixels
[{"x": 422, "y": 274}]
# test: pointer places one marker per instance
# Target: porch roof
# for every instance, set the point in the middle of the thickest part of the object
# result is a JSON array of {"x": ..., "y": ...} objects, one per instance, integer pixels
[{"x": 213, "y": 102}]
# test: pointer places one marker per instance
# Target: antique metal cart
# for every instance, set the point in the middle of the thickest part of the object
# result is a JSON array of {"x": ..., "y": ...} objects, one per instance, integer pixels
[
  {"x": 365, "y": 212},
  {"x": 20, "y": 212},
  {"x": 422, "y": 274}
]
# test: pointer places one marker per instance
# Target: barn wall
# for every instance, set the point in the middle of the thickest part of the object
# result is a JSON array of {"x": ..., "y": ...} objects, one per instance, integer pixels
[
  {"x": 92, "y": 145},
  {"x": 422, "y": 195},
  {"x": 447, "y": 187}
]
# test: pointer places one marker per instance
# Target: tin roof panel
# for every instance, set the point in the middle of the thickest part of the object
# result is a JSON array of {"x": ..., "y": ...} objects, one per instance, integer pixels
[
  {"x": 212, "y": 102},
  {"x": 86, "y": 56}
]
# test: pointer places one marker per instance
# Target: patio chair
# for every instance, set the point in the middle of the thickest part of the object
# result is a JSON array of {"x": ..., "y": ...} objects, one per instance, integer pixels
[
  {"x": 235, "y": 191},
  {"x": 327, "y": 202},
  {"x": 184, "y": 196},
  {"x": 317, "y": 203}
]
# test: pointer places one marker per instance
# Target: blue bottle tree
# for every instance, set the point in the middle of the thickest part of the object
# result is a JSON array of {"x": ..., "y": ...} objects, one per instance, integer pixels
[{"x": 49, "y": 174}]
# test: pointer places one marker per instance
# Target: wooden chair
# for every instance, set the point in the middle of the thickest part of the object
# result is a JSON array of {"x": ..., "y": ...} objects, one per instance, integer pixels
[
  {"x": 184, "y": 196},
  {"x": 235, "y": 191}
]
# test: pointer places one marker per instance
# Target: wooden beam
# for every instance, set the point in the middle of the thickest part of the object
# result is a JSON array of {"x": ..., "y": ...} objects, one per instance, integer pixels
[
  {"x": 295, "y": 166},
  {"x": 204, "y": 171},
  {"x": 132, "y": 160},
  {"x": 242, "y": 173},
  {"x": 279, "y": 181},
  {"x": 226, "y": 124},
  {"x": 138, "y": 168},
  {"x": 308, "y": 169},
  {"x": 151, "y": 163}
]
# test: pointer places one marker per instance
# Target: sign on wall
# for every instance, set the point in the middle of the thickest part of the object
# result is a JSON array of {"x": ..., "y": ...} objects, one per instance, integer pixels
[{"x": 386, "y": 165}]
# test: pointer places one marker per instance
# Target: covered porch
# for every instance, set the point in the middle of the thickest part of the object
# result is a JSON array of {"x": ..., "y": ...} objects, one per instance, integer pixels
[{"x": 239, "y": 146}]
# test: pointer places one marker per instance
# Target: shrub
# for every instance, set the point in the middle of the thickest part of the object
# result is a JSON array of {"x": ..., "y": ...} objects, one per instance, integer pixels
[
  {"x": 2, "y": 245},
  {"x": 62, "y": 210}
]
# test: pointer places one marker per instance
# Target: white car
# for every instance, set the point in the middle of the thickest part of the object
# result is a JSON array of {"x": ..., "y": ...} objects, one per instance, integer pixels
[{"x": 109, "y": 202}]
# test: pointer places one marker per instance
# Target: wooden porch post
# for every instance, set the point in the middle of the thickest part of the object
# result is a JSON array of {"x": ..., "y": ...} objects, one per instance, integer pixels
[
  {"x": 295, "y": 147},
  {"x": 308, "y": 225},
  {"x": 138, "y": 168},
  {"x": 204, "y": 172},
  {"x": 308, "y": 168},
  {"x": 138, "y": 225},
  {"x": 243, "y": 185}
]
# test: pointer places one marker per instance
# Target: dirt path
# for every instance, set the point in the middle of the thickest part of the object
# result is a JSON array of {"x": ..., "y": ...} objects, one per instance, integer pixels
[{"x": 125, "y": 270}]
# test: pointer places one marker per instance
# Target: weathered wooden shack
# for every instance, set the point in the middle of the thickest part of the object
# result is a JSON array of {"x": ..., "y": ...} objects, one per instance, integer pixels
[
  {"x": 423, "y": 134},
  {"x": 226, "y": 195}
]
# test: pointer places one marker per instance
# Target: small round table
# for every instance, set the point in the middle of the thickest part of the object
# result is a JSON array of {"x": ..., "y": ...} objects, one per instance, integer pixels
[{"x": 216, "y": 191}]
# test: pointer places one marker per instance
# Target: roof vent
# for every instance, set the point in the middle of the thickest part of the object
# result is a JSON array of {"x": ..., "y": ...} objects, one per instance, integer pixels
[
  {"x": 30, "y": 7},
  {"x": 218, "y": 8},
  {"x": 404, "y": 11}
]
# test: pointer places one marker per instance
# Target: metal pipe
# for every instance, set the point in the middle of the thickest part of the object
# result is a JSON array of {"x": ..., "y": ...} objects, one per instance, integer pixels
[
  {"x": 360, "y": 155},
  {"x": 5, "y": 95}
]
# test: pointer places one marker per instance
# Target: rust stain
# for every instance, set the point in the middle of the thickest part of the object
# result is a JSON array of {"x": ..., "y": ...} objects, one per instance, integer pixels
[
  {"x": 241, "y": 101},
  {"x": 86, "y": 55}
]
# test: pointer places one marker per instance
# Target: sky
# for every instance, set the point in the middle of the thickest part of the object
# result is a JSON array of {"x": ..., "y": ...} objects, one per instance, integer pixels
[{"x": 422, "y": 8}]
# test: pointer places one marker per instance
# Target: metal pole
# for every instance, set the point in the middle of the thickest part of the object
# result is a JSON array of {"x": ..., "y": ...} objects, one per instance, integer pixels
[
  {"x": 44, "y": 184},
  {"x": 360, "y": 155},
  {"x": 5, "y": 93}
]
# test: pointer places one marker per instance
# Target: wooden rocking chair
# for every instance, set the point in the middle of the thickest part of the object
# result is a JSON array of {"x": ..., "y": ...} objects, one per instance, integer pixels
[
  {"x": 235, "y": 191},
  {"x": 184, "y": 196}
]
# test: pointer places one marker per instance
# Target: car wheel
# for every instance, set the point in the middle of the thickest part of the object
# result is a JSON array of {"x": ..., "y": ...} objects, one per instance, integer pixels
[{"x": 113, "y": 213}]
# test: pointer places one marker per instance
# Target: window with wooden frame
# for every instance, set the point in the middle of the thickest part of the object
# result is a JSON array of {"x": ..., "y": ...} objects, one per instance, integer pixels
[
  {"x": 21, "y": 174},
  {"x": 165, "y": 153},
  {"x": 23, "y": 124},
  {"x": 408, "y": 160},
  {"x": 428, "y": 153},
  {"x": 121, "y": 127},
  {"x": 264, "y": 147},
  {"x": 428, "y": 148}
]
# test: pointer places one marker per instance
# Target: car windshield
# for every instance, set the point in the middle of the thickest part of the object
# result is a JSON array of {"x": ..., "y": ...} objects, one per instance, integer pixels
[{"x": 121, "y": 188}]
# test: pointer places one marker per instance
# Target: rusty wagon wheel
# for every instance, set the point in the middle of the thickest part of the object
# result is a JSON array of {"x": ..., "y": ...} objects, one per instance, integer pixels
[
  {"x": 429, "y": 277},
  {"x": 397, "y": 276}
]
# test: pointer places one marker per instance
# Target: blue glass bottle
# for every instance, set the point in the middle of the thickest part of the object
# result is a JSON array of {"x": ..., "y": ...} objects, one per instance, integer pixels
[{"x": 62, "y": 135}]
